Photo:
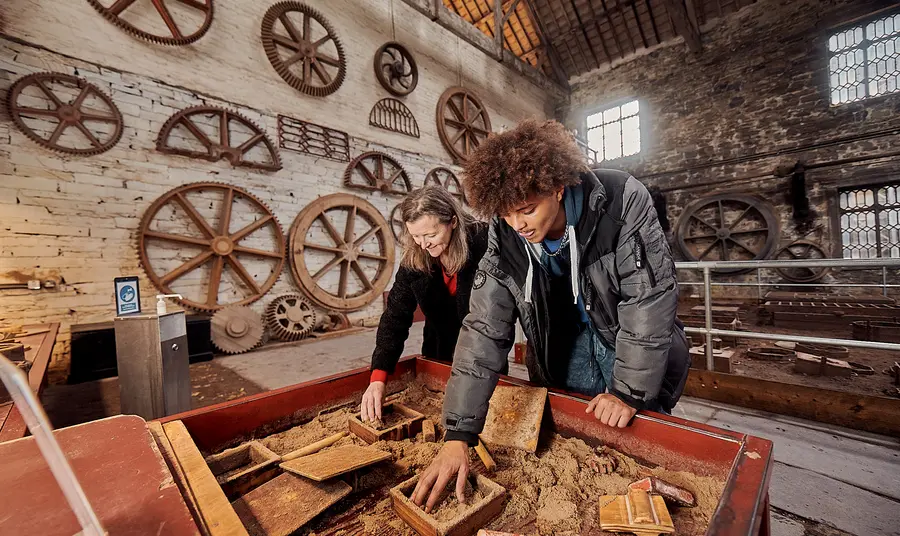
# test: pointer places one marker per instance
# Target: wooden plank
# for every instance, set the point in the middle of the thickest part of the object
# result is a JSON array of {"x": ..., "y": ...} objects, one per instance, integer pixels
[
  {"x": 514, "y": 417},
  {"x": 217, "y": 513},
  {"x": 168, "y": 454},
  {"x": 335, "y": 462},
  {"x": 875, "y": 414},
  {"x": 287, "y": 503}
]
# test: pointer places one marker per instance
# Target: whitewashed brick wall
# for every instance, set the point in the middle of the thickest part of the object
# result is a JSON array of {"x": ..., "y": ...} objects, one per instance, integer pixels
[{"x": 77, "y": 217}]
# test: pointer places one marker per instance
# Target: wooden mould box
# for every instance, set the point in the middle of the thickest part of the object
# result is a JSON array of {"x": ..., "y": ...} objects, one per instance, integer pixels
[
  {"x": 408, "y": 427},
  {"x": 465, "y": 524},
  {"x": 239, "y": 469}
]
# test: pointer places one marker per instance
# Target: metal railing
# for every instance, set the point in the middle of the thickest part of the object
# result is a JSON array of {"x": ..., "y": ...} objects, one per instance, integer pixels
[{"x": 708, "y": 266}]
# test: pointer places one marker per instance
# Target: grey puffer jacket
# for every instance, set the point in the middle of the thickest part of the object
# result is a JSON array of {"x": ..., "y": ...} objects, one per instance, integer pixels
[{"x": 627, "y": 281}]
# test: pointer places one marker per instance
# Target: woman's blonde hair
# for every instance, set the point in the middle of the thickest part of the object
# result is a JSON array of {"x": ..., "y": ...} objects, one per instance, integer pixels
[{"x": 438, "y": 202}]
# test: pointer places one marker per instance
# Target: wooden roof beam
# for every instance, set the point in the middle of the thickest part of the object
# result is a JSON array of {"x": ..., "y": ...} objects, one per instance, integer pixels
[
  {"x": 552, "y": 55},
  {"x": 684, "y": 18}
]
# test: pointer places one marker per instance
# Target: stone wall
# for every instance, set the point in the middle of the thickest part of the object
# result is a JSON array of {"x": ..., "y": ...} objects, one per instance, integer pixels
[
  {"x": 756, "y": 99},
  {"x": 76, "y": 219}
]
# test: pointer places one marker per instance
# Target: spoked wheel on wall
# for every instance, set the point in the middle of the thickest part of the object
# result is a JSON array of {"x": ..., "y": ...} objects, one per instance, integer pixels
[
  {"x": 802, "y": 250},
  {"x": 344, "y": 269},
  {"x": 462, "y": 122},
  {"x": 727, "y": 228},
  {"x": 444, "y": 177},
  {"x": 213, "y": 243}
]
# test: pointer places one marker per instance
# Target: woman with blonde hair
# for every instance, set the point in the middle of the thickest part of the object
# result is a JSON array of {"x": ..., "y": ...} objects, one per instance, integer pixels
[{"x": 441, "y": 245}]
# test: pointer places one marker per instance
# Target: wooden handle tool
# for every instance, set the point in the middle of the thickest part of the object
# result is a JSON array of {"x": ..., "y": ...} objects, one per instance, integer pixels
[
  {"x": 485, "y": 456},
  {"x": 312, "y": 448}
]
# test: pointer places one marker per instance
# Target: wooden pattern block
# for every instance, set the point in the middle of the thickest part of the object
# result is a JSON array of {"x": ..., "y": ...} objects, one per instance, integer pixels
[
  {"x": 335, "y": 462},
  {"x": 638, "y": 513},
  {"x": 286, "y": 503},
  {"x": 243, "y": 467},
  {"x": 514, "y": 417},
  {"x": 466, "y": 523},
  {"x": 409, "y": 427}
]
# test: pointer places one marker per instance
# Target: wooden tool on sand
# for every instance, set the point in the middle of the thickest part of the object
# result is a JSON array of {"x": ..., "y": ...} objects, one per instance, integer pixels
[
  {"x": 313, "y": 448},
  {"x": 485, "y": 456}
]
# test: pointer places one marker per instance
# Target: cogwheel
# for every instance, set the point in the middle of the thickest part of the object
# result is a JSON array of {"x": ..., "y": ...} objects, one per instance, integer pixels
[
  {"x": 311, "y": 63},
  {"x": 111, "y": 14},
  {"x": 67, "y": 114},
  {"x": 290, "y": 317},
  {"x": 236, "y": 329},
  {"x": 221, "y": 148}
]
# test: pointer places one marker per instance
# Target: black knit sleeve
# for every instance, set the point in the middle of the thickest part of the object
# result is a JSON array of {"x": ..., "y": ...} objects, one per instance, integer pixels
[{"x": 393, "y": 329}]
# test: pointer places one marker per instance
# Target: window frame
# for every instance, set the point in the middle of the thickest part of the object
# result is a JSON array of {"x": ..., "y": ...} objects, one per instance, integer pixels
[
  {"x": 612, "y": 104},
  {"x": 838, "y": 212},
  {"x": 862, "y": 22}
]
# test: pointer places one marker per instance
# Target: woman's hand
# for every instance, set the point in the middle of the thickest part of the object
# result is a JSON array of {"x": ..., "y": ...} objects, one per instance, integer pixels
[
  {"x": 370, "y": 409},
  {"x": 452, "y": 460}
]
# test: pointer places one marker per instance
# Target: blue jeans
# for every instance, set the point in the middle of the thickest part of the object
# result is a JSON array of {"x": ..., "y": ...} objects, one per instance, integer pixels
[
  {"x": 590, "y": 364},
  {"x": 591, "y": 367}
]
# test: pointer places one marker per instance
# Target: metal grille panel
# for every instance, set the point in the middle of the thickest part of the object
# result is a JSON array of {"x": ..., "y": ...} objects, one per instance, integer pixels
[
  {"x": 864, "y": 61},
  {"x": 870, "y": 222}
]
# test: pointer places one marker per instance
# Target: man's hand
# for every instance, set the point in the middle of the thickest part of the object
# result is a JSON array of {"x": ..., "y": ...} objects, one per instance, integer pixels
[
  {"x": 453, "y": 459},
  {"x": 370, "y": 409},
  {"x": 610, "y": 410}
]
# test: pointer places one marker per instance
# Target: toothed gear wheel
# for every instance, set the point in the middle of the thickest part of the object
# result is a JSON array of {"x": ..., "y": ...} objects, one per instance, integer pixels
[
  {"x": 194, "y": 120},
  {"x": 309, "y": 57},
  {"x": 236, "y": 329},
  {"x": 290, "y": 317},
  {"x": 199, "y": 217},
  {"x": 187, "y": 10},
  {"x": 38, "y": 98}
]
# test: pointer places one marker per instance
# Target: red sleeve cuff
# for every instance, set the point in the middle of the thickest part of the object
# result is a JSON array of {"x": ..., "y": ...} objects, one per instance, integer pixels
[{"x": 378, "y": 376}]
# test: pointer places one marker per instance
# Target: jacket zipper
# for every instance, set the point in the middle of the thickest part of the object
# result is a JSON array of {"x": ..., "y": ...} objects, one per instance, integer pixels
[{"x": 640, "y": 258}]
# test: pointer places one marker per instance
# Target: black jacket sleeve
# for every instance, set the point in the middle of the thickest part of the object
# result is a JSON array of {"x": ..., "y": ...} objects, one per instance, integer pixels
[{"x": 393, "y": 329}]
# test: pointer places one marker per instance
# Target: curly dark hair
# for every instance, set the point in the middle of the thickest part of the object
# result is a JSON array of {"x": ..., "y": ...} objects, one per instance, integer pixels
[{"x": 536, "y": 157}]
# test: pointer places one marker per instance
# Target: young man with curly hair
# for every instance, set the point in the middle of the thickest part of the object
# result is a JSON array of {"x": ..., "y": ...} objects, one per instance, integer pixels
[{"x": 579, "y": 259}]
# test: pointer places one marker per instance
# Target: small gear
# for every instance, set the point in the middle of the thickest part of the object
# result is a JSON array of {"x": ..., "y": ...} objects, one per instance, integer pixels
[
  {"x": 336, "y": 321},
  {"x": 68, "y": 114},
  {"x": 290, "y": 317},
  {"x": 236, "y": 329},
  {"x": 112, "y": 13},
  {"x": 312, "y": 74}
]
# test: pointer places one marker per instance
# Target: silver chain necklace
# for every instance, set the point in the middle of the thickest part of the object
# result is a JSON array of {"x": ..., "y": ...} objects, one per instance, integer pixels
[{"x": 562, "y": 245}]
